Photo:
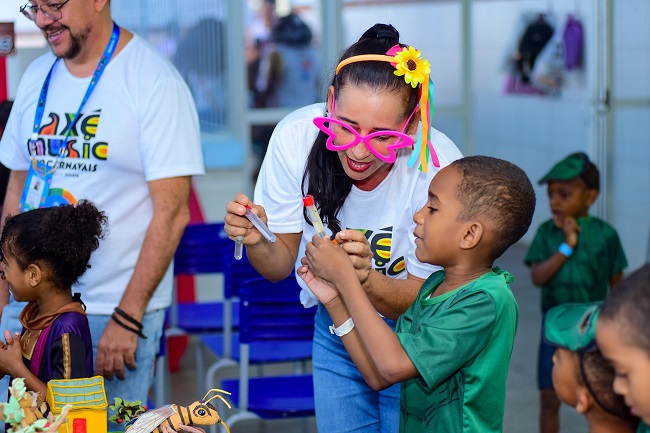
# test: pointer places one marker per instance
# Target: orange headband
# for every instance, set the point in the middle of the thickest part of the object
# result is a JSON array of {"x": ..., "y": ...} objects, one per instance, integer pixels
[{"x": 415, "y": 70}]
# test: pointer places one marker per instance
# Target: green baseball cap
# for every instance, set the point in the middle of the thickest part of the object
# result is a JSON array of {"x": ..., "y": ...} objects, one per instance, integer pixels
[
  {"x": 569, "y": 168},
  {"x": 572, "y": 326}
]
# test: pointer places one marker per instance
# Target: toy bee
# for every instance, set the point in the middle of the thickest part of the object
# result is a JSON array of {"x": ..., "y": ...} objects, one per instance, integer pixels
[{"x": 173, "y": 418}]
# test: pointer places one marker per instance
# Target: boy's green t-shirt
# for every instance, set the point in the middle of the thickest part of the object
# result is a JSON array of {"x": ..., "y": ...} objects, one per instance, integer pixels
[
  {"x": 643, "y": 428},
  {"x": 460, "y": 343},
  {"x": 585, "y": 275}
]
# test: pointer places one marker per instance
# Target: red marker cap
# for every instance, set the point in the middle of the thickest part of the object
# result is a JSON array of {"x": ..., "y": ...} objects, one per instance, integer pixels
[{"x": 308, "y": 200}]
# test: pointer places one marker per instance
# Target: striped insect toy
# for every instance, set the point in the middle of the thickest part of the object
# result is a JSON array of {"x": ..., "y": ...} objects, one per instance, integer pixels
[{"x": 173, "y": 418}]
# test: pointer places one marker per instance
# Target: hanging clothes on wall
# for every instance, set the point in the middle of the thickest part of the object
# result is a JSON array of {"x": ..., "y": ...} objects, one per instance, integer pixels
[
  {"x": 573, "y": 38},
  {"x": 549, "y": 71},
  {"x": 535, "y": 33},
  {"x": 531, "y": 44}
]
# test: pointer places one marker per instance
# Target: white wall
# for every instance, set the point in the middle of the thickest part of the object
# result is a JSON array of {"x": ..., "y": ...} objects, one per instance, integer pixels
[
  {"x": 537, "y": 131},
  {"x": 630, "y": 207},
  {"x": 532, "y": 131}
]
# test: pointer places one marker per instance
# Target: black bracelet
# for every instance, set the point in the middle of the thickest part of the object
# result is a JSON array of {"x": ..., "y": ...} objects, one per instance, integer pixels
[
  {"x": 122, "y": 313},
  {"x": 128, "y": 328}
]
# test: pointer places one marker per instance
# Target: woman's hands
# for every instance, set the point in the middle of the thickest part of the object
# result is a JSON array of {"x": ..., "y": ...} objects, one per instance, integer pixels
[
  {"x": 355, "y": 244},
  {"x": 330, "y": 267},
  {"x": 236, "y": 223}
]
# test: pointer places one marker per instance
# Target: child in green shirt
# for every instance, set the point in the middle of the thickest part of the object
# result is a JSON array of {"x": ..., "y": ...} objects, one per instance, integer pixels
[
  {"x": 574, "y": 257},
  {"x": 582, "y": 377},
  {"x": 452, "y": 347},
  {"x": 623, "y": 335}
]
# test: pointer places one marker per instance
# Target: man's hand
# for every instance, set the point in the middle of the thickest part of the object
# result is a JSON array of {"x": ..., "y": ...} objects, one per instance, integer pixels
[{"x": 116, "y": 348}]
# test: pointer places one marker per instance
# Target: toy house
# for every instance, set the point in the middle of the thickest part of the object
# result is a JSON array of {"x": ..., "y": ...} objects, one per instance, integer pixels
[{"x": 88, "y": 400}]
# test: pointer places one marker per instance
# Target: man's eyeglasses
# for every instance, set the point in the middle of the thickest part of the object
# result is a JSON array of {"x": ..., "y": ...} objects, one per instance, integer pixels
[
  {"x": 382, "y": 144},
  {"x": 50, "y": 10}
]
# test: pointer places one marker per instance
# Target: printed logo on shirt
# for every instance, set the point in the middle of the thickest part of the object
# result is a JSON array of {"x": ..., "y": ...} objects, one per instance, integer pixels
[
  {"x": 381, "y": 242},
  {"x": 82, "y": 150}
]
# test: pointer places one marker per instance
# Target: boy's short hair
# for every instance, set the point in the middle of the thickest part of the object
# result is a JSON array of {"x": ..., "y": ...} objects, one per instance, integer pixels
[
  {"x": 499, "y": 190},
  {"x": 573, "y": 327},
  {"x": 576, "y": 165},
  {"x": 629, "y": 305}
]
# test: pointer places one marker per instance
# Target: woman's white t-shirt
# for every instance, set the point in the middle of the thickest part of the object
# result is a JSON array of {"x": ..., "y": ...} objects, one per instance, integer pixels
[{"x": 385, "y": 214}]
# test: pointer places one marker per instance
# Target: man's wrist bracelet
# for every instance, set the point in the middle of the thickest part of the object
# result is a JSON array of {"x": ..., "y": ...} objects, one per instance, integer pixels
[
  {"x": 565, "y": 249},
  {"x": 128, "y": 328},
  {"x": 128, "y": 317},
  {"x": 345, "y": 328}
]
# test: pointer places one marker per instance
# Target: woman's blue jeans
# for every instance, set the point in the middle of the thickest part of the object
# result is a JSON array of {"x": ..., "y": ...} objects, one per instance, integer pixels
[{"x": 344, "y": 402}]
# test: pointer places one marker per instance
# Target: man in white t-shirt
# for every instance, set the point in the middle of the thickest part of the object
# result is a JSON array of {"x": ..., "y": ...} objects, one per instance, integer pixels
[{"x": 132, "y": 151}]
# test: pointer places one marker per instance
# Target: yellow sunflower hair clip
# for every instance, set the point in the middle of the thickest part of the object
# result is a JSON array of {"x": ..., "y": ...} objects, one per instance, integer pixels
[{"x": 416, "y": 71}]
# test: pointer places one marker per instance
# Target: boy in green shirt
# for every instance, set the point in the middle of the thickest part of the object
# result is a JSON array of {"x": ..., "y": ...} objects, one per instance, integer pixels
[
  {"x": 582, "y": 377},
  {"x": 574, "y": 257},
  {"x": 623, "y": 335},
  {"x": 452, "y": 347}
]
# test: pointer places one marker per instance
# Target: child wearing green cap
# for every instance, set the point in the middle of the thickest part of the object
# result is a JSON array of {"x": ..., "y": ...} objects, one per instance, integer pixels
[
  {"x": 623, "y": 335},
  {"x": 452, "y": 347},
  {"x": 582, "y": 377},
  {"x": 574, "y": 257}
]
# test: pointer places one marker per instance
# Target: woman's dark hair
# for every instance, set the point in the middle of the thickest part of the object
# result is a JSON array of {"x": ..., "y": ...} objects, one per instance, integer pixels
[
  {"x": 60, "y": 238},
  {"x": 324, "y": 176}
]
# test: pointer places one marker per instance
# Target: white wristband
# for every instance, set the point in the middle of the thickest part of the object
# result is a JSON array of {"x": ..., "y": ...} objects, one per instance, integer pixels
[{"x": 344, "y": 329}]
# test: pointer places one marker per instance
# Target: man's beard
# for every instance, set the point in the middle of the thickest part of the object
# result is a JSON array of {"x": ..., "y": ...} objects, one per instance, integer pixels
[{"x": 76, "y": 43}]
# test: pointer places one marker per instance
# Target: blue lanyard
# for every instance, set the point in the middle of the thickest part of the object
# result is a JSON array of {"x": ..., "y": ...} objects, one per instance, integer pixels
[{"x": 40, "y": 108}]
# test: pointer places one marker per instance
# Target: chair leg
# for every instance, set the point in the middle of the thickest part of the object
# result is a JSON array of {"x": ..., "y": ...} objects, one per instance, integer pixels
[
  {"x": 238, "y": 417},
  {"x": 200, "y": 369},
  {"x": 161, "y": 381}
]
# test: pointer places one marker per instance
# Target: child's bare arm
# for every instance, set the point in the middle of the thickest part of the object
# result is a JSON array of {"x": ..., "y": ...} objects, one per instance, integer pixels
[
  {"x": 391, "y": 361},
  {"x": 542, "y": 272},
  {"x": 372, "y": 344},
  {"x": 355, "y": 347}
]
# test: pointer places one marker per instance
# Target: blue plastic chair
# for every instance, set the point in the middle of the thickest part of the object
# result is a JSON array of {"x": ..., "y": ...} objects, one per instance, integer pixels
[
  {"x": 271, "y": 320},
  {"x": 201, "y": 251},
  {"x": 221, "y": 345}
]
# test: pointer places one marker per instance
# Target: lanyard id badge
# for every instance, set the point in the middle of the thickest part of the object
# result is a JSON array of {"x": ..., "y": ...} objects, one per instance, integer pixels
[
  {"x": 37, "y": 186},
  {"x": 39, "y": 176}
]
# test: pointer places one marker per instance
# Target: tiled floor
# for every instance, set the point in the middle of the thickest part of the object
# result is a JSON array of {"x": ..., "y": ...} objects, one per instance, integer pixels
[{"x": 522, "y": 397}]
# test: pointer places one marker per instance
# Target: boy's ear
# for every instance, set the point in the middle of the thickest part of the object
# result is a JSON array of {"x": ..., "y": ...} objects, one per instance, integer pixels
[
  {"x": 34, "y": 274},
  {"x": 592, "y": 195},
  {"x": 472, "y": 235},
  {"x": 585, "y": 401}
]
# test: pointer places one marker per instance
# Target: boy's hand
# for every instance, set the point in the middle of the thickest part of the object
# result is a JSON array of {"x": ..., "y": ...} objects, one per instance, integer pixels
[
  {"x": 354, "y": 243},
  {"x": 571, "y": 228},
  {"x": 325, "y": 291},
  {"x": 326, "y": 260}
]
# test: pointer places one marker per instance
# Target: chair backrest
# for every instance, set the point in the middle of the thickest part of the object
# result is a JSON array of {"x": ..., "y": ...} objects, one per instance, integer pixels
[
  {"x": 270, "y": 312},
  {"x": 273, "y": 312},
  {"x": 201, "y": 249},
  {"x": 235, "y": 272}
]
